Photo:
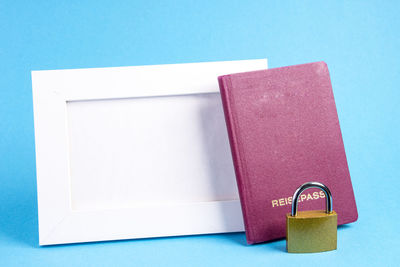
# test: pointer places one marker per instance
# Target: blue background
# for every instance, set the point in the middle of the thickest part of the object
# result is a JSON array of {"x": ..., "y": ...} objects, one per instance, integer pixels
[{"x": 359, "y": 40}]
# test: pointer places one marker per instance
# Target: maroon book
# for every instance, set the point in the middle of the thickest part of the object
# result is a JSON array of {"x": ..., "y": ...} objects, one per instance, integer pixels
[{"x": 284, "y": 131}]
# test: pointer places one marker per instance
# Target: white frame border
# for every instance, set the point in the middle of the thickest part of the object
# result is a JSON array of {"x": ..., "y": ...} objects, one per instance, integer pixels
[{"x": 52, "y": 89}]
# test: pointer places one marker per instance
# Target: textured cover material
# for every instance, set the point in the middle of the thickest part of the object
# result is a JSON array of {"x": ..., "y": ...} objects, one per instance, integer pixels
[{"x": 284, "y": 131}]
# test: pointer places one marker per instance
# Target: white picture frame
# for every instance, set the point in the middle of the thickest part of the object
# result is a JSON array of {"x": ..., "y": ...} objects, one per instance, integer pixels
[{"x": 105, "y": 173}]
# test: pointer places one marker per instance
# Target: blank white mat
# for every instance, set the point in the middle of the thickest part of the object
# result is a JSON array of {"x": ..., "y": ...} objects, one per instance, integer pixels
[{"x": 125, "y": 149}]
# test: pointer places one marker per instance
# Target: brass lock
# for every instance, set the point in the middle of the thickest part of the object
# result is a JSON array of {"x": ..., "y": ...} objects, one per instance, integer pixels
[{"x": 313, "y": 230}]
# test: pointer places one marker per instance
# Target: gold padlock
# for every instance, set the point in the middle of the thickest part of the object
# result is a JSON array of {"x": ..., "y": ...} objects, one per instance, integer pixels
[{"x": 313, "y": 230}]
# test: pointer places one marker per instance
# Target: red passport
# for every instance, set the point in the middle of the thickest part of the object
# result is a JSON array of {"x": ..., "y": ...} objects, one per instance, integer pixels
[{"x": 284, "y": 131}]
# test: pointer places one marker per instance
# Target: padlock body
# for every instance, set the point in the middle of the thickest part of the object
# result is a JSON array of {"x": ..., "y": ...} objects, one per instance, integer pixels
[{"x": 311, "y": 231}]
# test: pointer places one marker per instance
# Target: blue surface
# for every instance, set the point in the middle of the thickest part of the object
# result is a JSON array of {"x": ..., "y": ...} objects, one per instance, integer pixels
[{"x": 359, "y": 40}]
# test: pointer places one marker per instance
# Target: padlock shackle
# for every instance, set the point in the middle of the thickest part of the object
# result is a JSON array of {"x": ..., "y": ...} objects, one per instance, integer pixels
[{"x": 306, "y": 186}]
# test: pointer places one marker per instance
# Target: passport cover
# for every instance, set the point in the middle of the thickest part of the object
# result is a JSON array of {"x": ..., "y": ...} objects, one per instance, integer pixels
[{"x": 284, "y": 131}]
